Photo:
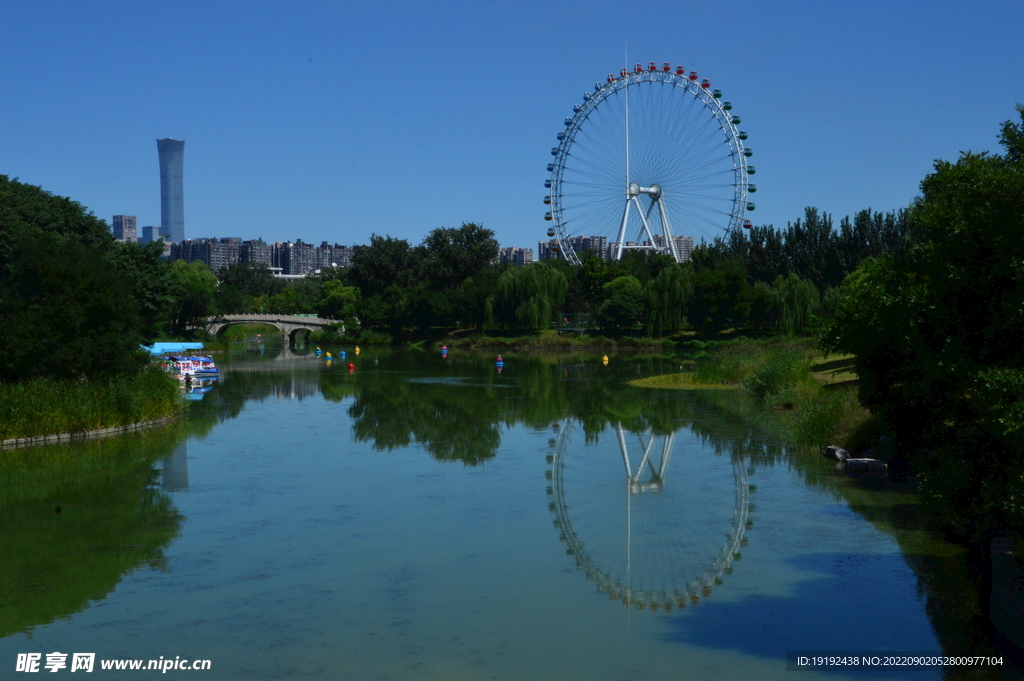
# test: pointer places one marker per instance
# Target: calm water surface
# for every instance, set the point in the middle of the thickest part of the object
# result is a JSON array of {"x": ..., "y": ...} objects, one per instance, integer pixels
[{"x": 429, "y": 518}]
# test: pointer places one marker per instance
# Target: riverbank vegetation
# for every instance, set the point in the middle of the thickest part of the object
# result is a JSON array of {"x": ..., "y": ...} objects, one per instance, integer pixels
[
  {"x": 48, "y": 406},
  {"x": 783, "y": 377},
  {"x": 76, "y": 305},
  {"x": 936, "y": 331}
]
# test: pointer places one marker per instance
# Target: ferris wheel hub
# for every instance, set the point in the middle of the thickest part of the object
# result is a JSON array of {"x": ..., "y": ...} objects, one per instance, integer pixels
[{"x": 634, "y": 189}]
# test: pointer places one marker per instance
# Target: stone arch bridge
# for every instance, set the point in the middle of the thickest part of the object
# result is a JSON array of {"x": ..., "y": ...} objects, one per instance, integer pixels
[{"x": 288, "y": 324}]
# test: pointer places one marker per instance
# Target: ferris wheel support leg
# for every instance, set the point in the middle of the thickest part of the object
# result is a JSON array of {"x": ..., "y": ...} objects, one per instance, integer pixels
[
  {"x": 643, "y": 220},
  {"x": 622, "y": 233},
  {"x": 667, "y": 229},
  {"x": 646, "y": 461},
  {"x": 644, "y": 223},
  {"x": 623, "y": 449},
  {"x": 666, "y": 452}
]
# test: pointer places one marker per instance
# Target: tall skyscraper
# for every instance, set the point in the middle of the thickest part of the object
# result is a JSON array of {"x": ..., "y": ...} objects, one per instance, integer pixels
[
  {"x": 125, "y": 228},
  {"x": 172, "y": 190}
]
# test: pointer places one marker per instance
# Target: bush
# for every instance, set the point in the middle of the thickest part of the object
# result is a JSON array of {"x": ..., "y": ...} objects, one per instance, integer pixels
[{"x": 51, "y": 406}]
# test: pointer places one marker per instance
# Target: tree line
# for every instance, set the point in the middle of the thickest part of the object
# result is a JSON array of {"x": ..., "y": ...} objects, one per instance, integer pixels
[
  {"x": 771, "y": 279},
  {"x": 76, "y": 302}
]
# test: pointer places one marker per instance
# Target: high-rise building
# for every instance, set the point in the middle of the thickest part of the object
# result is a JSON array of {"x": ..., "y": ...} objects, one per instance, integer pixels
[
  {"x": 151, "y": 233},
  {"x": 125, "y": 228},
  {"x": 216, "y": 253},
  {"x": 257, "y": 252},
  {"x": 172, "y": 188}
]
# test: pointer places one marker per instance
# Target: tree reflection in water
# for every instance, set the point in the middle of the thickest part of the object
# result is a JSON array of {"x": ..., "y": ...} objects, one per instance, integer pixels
[{"x": 76, "y": 518}]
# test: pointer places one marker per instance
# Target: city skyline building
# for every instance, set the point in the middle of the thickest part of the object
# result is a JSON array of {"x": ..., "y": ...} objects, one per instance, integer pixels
[
  {"x": 152, "y": 233},
  {"x": 125, "y": 228},
  {"x": 172, "y": 188},
  {"x": 515, "y": 255}
]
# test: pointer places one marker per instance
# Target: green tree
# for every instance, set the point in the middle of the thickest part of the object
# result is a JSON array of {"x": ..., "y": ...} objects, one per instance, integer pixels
[
  {"x": 337, "y": 301},
  {"x": 623, "y": 305},
  {"x": 66, "y": 312},
  {"x": 667, "y": 296},
  {"x": 936, "y": 332},
  {"x": 796, "y": 302},
  {"x": 193, "y": 290},
  {"x": 384, "y": 262},
  {"x": 148, "y": 276},
  {"x": 26, "y": 210},
  {"x": 721, "y": 296},
  {"x": 452, "y": 255},
  {"x": 66, "y": 298},
  {"x": 528, "y": 296},
  {"x": 241, "y": 285}
]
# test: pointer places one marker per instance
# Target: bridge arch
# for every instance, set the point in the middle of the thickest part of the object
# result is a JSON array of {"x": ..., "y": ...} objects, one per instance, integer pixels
[{"x": 288, "y": 325}]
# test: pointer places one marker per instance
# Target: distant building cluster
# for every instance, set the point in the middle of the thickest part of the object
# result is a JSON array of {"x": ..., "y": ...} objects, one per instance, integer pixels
[
  {"x": 515, "y": 256},
  {"x": 286, "y": 259},
  {"x": 294, "y": 258},
  {"x": 599, "y": 246},
  {"x": 125, "y": 228}
]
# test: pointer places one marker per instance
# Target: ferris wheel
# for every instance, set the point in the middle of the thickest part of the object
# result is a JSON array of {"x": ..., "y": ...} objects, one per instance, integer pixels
[
  {"x": 650, "y": 160},
  {"x": 654, "y": 520}
]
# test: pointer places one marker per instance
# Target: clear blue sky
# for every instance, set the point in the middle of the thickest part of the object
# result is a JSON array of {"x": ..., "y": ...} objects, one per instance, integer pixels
[{"x": 335, "y": 120}]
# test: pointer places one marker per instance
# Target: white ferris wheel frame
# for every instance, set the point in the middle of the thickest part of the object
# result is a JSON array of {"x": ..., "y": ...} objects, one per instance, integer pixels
[{"x": 690, "y": 85}]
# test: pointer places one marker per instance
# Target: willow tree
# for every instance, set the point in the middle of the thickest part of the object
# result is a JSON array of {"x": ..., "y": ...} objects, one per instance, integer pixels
[
  {"x": 528, "y": 296},
  {"x": 667, "y": 297},
  {"x": 797, "y": 301}
]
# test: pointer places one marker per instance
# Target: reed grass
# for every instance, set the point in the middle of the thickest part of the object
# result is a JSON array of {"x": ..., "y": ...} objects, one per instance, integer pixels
[
  {"x": 50, "y": 407},
  {"x": 682, "y": 381},
  {"x": 779, "y": 374}
]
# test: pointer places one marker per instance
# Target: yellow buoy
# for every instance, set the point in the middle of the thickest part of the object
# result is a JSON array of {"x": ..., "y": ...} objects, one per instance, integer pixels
[
  {"x": 328, "y": 355},
  {"x": 604, "y": 360},
  {"x": 357, "y": 349}
]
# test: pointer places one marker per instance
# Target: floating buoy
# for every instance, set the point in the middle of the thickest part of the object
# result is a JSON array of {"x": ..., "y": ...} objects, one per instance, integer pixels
[
  {"x": 328, "y": 356},
  {"x": 604, "y": 360},
  {"x": 357, "y": 349},
  {"x": 351, "y": 366},
  {"x": 343, "y": 354}
]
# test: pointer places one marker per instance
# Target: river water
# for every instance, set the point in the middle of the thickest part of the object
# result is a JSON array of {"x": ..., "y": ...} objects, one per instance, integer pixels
[{"x": 419, "y": 517}]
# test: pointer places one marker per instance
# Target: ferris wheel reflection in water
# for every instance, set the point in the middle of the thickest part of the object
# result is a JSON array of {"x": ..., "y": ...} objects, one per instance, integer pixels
[{"x": 655, "y": 520}]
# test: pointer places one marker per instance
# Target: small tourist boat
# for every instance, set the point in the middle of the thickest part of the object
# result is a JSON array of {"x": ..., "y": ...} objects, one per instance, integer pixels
[
  {"x": 180, "y": 366},
  {"x": 191, "y": 366},
  {"x": 204, "y": 366}
]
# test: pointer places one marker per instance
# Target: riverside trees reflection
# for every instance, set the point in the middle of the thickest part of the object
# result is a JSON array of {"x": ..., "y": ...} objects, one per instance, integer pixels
[
  {"x": 118, "y": 516},
  {"x": 75, "y": 519}
]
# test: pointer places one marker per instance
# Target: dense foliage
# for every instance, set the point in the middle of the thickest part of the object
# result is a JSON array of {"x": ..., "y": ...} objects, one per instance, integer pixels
[
  {"x": 67, "y": 310},
  {"x": 937, "y": 331}
]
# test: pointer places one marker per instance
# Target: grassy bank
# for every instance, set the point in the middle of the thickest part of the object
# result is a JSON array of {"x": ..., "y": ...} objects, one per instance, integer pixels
[
  {"x": 814, "y": 396},
  {"x": 49, "y": 407},
  {"x": 552, "y": 339}
]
